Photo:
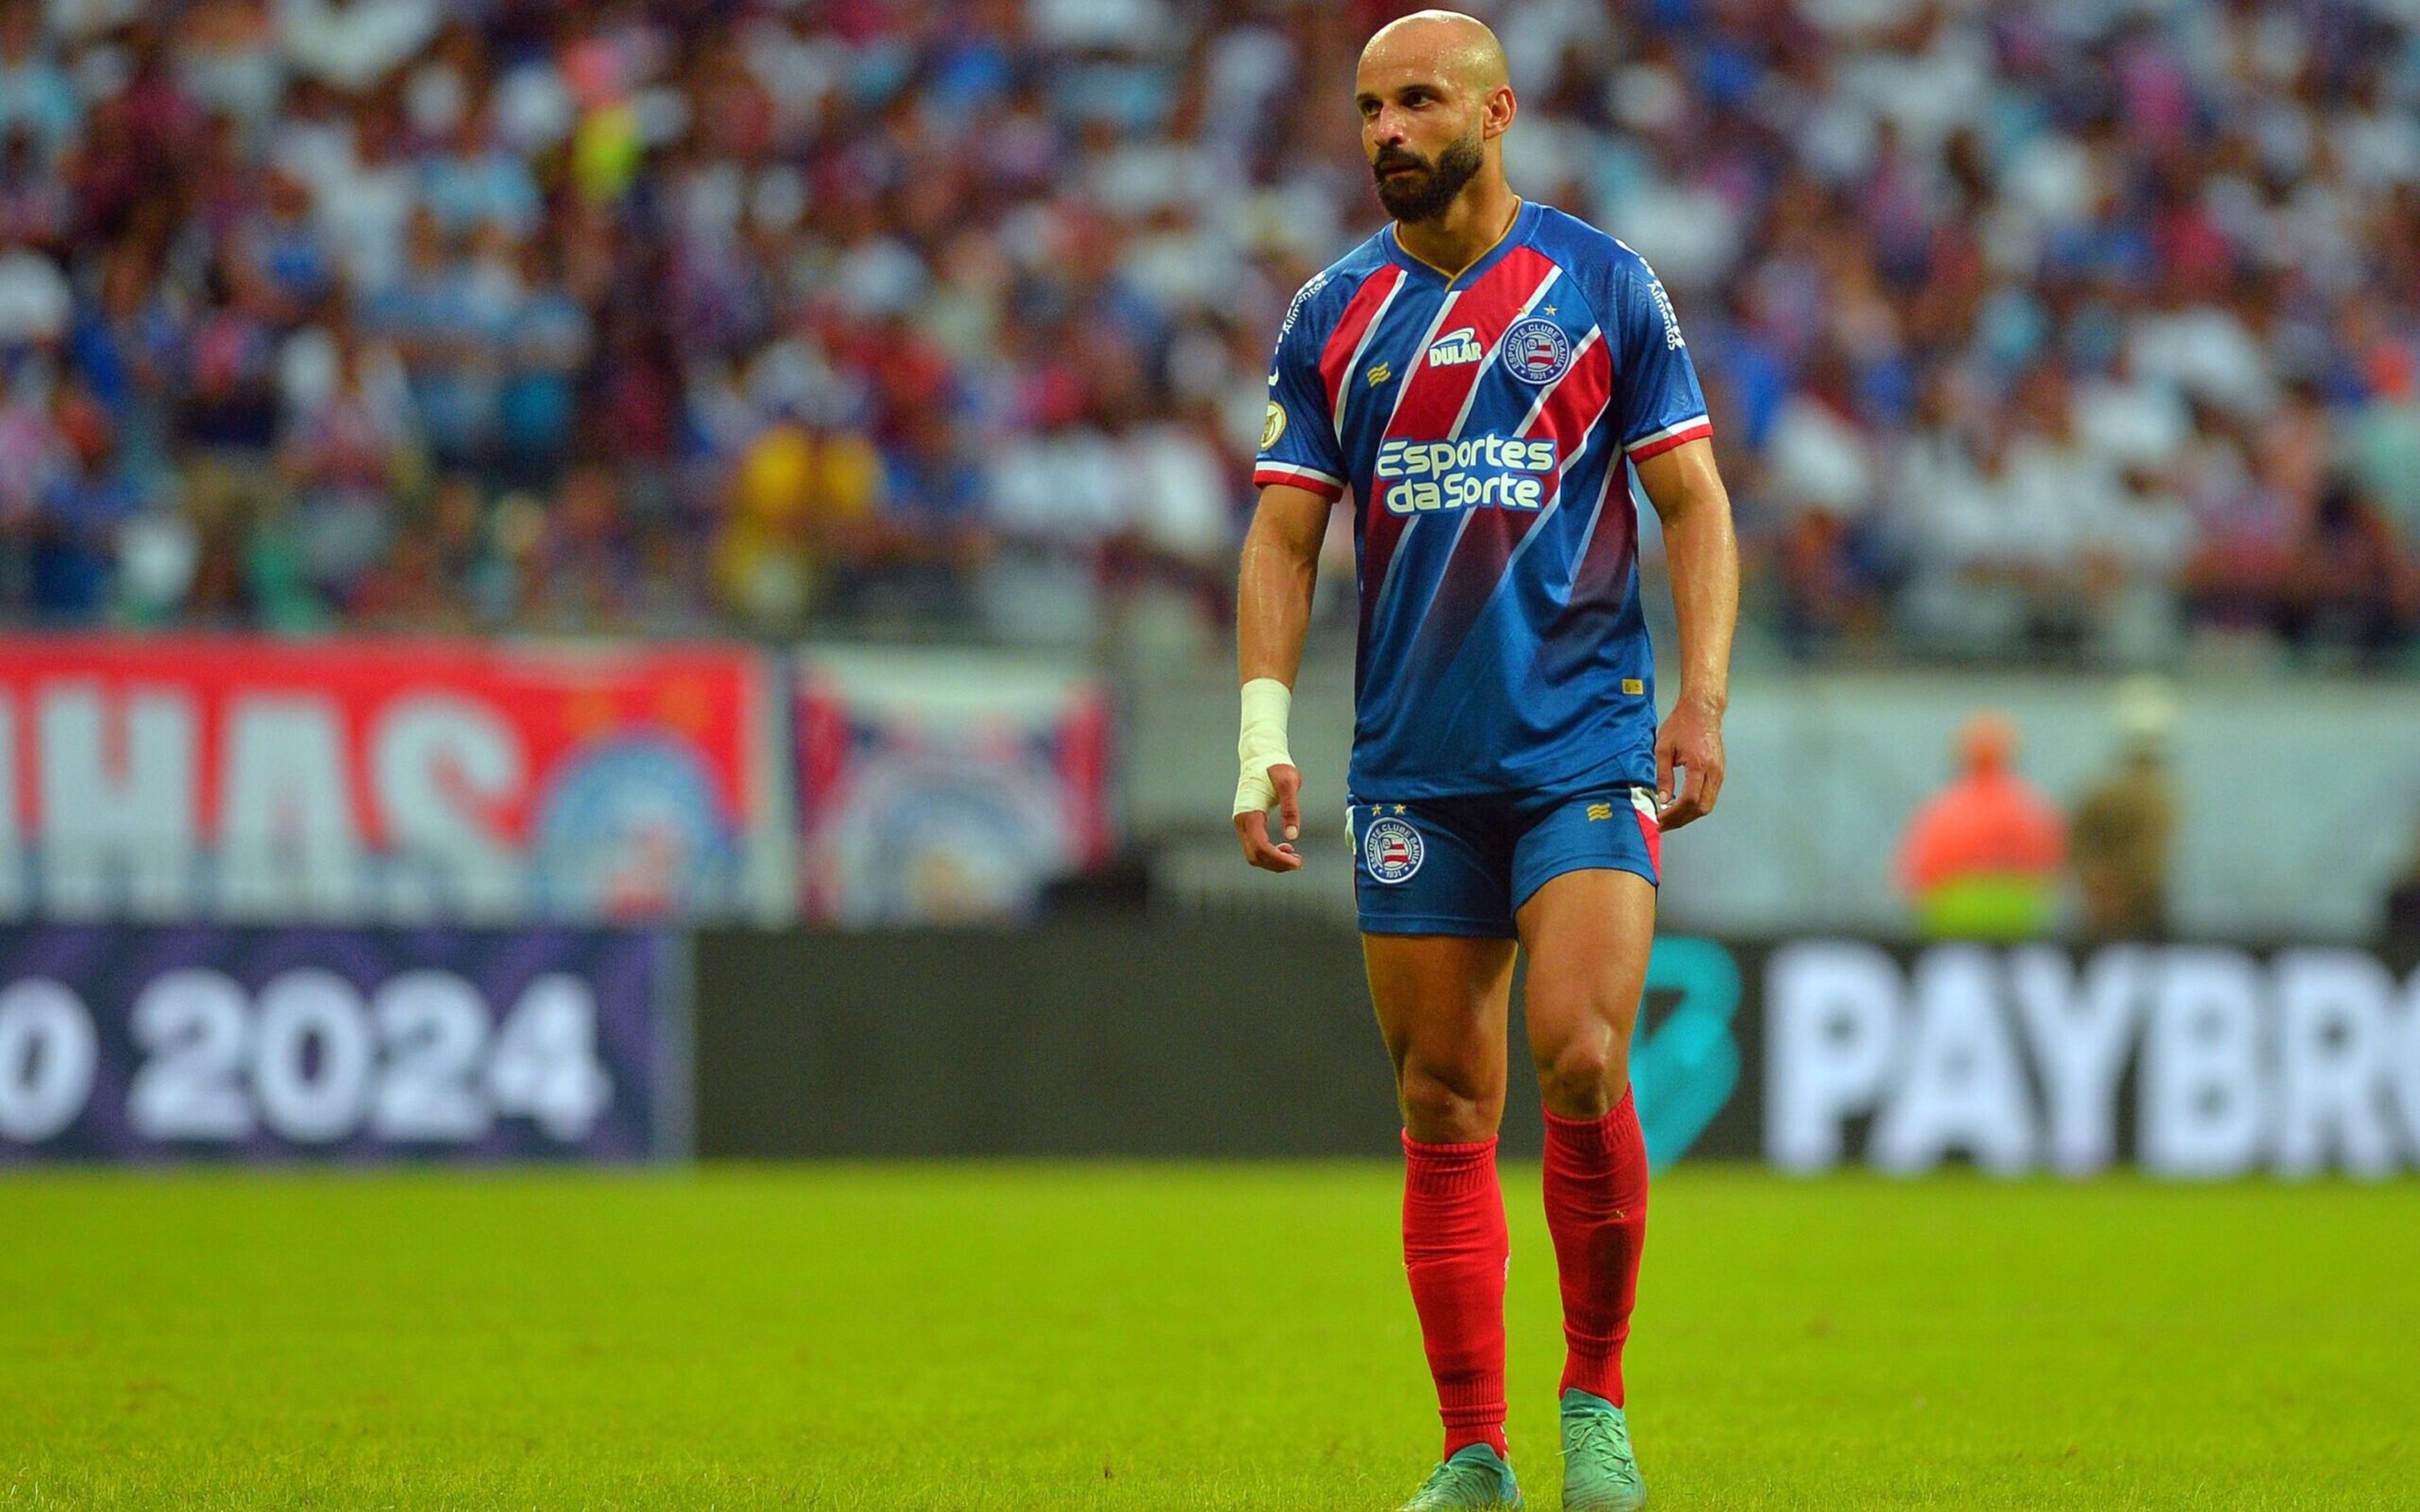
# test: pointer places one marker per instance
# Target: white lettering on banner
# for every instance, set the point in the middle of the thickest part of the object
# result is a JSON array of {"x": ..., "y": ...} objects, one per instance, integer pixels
[
  {"x": 309, "y": 1061},
  {"x": 435, "y": 761},
  {"x": 2079, "y": 1038},
  {"x": 288, "y": 844},
  {"x": 1961, "y": 1087},
  {"x": 435, "y": 1026},
  {"x": 2333, "y": 1031},
  {"x": 545, "y": 1062},
  {"x": 2204, "y": 1102},
  {"x": 117, "y": 808},
  {"x": 1833, "y": 1010},
  {"x": 194, "y": 1025},
  {"x": 2306, "y": 1061},
  {"x": 2403, "y": 1066},
  {"x": 311, "y": 1099},
  {"x": 49, "y": 1053}
]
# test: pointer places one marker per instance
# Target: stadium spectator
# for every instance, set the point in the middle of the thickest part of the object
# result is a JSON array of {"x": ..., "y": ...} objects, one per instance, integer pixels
[
  {"x": 1981, "y": 858},
  {"x": 2399, "y": 916},
  {"x": 2120, "y": 844}
]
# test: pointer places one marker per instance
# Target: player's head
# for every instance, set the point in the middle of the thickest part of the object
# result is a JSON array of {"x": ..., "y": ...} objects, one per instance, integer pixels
[{"x": 1436, "y": 100}]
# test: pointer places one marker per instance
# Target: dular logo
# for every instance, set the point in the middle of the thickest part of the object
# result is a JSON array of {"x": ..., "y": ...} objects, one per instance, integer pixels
[{"x": 1454, "y": 348}]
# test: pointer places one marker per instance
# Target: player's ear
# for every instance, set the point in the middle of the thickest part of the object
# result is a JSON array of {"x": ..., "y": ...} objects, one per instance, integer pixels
[{"x": 1497, "y": 112}]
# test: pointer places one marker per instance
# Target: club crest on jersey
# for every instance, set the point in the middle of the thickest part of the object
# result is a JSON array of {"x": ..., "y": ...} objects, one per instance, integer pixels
[
  {"x": 1392, "y": 850},
  {"x": 1273, "y": 426},
  {"x": 1537, "y": 351},
  {"x": 1454, "y": 348}
]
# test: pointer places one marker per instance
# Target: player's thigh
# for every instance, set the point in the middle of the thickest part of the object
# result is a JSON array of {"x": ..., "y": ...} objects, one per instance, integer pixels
[
  {"x": 1587, "y": 934},
  {"x": 1442, "y": 1002},
  {"x": 1587, "y": 922}
]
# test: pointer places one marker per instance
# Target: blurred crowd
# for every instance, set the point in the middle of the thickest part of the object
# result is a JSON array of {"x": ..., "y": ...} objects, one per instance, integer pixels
[{"x": 2073, "y": 330}]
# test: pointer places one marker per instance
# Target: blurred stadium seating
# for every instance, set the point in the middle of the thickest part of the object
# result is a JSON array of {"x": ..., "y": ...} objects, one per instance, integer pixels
[{"x": 2076, "y": 331}]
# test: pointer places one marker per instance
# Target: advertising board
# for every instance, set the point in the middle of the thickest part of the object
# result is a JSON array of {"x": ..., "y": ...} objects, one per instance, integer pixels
[
  {"x": 127, "y": 1042},
  {"x": 389, "y": 781}
]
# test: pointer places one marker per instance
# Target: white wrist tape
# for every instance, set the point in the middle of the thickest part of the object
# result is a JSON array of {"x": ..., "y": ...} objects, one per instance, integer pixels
[{"x": 1262, "y": 744}]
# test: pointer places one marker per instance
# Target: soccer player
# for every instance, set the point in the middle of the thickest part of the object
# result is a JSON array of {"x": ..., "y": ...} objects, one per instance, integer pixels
[{"x": 1482, "y": 375}]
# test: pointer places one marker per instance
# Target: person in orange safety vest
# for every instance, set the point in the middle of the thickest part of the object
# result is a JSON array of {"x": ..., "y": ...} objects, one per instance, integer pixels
[{"x": 1981, "y": 858}]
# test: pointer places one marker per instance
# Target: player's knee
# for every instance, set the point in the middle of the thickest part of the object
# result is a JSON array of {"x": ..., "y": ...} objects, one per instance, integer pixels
[
  {"x": 1581, "y": 1077},
  {"x": 1443, "y": 1103}
]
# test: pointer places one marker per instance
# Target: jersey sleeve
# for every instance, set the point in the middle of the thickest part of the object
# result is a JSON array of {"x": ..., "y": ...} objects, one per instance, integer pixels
[
  {"x": 1662, "y": 406},
  {"x": 1298, "y": 434}
]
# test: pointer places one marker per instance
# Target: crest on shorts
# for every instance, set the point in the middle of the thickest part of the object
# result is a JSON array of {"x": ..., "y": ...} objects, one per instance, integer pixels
[
  {"x": 1392, "y": 849},
  {"x": 1537, "y": 351}
]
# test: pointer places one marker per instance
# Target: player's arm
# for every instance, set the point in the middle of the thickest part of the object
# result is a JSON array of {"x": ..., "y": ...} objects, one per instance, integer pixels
[
  {"x": 1272, "y": 616},
  {"x": 1703, "y": 556}
]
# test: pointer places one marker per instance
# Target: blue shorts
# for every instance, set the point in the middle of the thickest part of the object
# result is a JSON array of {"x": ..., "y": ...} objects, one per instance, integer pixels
[{"x": 1464, "y": 865}]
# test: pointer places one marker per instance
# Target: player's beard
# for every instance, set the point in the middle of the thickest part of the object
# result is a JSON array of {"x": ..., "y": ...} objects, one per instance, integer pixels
[{"x": 1426, "y": 192}]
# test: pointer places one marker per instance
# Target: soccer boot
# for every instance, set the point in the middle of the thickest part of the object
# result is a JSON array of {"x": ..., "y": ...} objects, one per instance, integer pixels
[
  {"x": 1475, "y": 1477},
  {"x": 1600, "y": 1474}
]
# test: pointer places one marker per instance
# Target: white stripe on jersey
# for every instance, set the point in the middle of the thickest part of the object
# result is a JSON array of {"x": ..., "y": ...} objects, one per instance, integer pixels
[
  {"x": 1369, "y": 333},
  {"x": 1654, "y": 436},
  {"x": 1298, "y": 471}
]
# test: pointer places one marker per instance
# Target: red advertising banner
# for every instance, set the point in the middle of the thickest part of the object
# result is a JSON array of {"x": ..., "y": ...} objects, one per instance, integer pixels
[{"x": 203, "y": 777}]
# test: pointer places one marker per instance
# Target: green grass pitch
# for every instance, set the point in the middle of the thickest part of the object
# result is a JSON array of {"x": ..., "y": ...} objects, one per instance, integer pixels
[{"x": 1022, "y": 1336}]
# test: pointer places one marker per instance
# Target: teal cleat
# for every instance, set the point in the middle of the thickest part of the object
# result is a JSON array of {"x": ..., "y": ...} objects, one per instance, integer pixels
[
  {"x": 1600, "y": 1474},
  {"x": 1475, "y": 1477}
]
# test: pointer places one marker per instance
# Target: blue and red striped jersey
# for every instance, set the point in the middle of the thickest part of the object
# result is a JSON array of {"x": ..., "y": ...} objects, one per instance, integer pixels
[{"x": 1483, "y": 423}]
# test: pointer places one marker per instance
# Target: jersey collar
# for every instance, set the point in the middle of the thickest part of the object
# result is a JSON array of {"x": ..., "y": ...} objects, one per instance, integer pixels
[{"x": 1524, "y": 220}]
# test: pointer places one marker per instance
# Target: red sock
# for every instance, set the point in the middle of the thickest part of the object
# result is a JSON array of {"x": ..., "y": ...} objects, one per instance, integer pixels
[
  {"x": 1596, "y": 1208},
  {"x": 1455, "y": 1248}
]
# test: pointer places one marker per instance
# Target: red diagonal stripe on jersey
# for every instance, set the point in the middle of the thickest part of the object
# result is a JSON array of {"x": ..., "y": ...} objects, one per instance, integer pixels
[
  {"x": 1433, "y": 397},
  {"x": 1575, "y": 408},
  {"x": 1359, "y": 310}
]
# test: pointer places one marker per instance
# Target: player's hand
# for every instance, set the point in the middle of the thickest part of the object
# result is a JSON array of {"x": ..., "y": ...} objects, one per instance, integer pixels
[
  {"x": 1252, "y": 828},
  {"x": 1691, "y": 740}
]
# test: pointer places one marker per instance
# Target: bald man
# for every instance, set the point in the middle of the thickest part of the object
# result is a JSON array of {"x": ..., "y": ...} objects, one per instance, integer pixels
[{"x": 1484, "y": 376}]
